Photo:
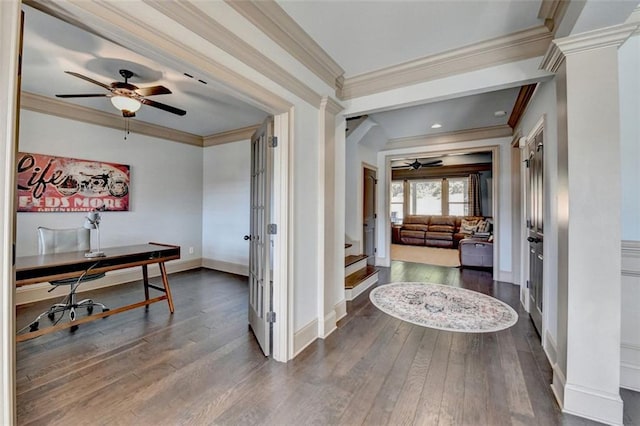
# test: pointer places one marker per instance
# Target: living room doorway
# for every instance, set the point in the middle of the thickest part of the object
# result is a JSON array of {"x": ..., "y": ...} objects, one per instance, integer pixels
[{"x": 436, "y": 200}]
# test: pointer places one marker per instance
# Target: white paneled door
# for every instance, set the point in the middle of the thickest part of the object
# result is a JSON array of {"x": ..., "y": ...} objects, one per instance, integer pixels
[{"x": 260, "y": 259}]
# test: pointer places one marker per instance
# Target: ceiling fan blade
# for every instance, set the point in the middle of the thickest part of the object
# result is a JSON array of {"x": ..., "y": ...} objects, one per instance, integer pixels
[
  {"x": 153, "y": 90},
  {"x": 90, "y": 80},
  {"x": 163, "y": 107},
  {"x": 85, "y": 95},
  {"x": 432, "y": 163}
]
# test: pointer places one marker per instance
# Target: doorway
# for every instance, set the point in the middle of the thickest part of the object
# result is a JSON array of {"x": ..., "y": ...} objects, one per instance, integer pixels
[
  {"x": 369, "y": 216},
  {"x": 535, "y": 224}
]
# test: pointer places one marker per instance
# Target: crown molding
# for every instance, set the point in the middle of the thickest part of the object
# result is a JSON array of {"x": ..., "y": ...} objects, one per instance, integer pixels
[
  {"x": 519, "y": 107},
  {"x": 190, "y": 16},
  {"x": 272, "y": 20},
  {"x": 50, "y": 106},
  {"x": 453, "y": 137},
  {"x": 634, "y": 18},
  {"x": 330, "y": 105},
  {"x": 552, "y": 11},
  {"x": 613, "y": 36},
  {"x": 230, "y": 136},
  {"x": 514, "y": 47}
]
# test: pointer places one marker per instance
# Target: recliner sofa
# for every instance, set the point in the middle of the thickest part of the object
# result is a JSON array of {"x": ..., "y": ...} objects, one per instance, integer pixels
[{"x": 436, "y": 231}]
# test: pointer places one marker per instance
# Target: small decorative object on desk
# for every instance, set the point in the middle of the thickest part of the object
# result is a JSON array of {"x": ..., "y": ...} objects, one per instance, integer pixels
[{"x": 92, "y": 221}]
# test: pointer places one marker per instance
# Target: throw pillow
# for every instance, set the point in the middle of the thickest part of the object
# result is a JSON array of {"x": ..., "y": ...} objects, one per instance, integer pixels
[
  {"x": 483, "y": 226},
  {"x": 468, "y": 226}
]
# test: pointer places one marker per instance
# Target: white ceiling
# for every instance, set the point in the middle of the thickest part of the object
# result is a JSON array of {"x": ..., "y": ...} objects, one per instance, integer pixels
[
  {"x": 361, "y": 36},
  {"x": 470, "y": 112}
]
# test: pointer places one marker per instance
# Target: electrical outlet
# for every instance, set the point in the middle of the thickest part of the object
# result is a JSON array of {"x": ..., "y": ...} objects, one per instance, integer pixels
[{"x": 191, "y": 250}]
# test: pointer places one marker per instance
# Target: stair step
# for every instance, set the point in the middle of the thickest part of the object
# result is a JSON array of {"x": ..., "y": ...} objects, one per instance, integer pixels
[
  {"x": 351, "y": 259},
  {"x": 359, "y": 276}
]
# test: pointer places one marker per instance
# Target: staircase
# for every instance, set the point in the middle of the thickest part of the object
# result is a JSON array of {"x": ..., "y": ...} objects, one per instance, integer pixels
[{"x": 358, "y": 275}]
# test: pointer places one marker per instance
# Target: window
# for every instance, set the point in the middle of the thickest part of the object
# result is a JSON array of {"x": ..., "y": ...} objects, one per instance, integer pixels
[
  {"x": 442, "y": 196},
  {"x": 426, "y": 197},
  {"x": 397, "y": 201},
  {"x": 458, "y": 196}
]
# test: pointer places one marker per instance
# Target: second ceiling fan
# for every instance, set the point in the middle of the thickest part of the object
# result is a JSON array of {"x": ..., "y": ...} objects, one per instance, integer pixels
[
  {"x": 125, "y": 96},
  {"x": 417, "y": 165}
]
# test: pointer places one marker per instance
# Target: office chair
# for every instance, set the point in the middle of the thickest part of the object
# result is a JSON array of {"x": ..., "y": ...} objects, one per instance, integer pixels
[{"x": 61, "y": 241}]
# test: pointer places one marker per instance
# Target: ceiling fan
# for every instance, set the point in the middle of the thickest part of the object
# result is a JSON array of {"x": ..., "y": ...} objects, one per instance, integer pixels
[
  {"x": 417, "y": 164},
  {"x": 125, "y": 96}
]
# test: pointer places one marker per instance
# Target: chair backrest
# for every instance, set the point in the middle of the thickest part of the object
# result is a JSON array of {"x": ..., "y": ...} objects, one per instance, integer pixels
[{"x": 63, "y": 240}]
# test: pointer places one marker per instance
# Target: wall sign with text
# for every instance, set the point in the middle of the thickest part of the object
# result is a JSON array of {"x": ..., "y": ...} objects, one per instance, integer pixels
[{"x": 57, "y": 184}]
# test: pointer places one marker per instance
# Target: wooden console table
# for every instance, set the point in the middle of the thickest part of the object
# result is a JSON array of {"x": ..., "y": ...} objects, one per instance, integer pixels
[{"x": 56, "y": 266}]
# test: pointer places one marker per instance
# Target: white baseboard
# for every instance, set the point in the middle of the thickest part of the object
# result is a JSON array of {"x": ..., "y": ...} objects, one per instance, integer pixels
[
  {"x": 505, "y": 276},
  {"x": 550, "y": 348},
  {"x": 558, "y": 383},
  {"x": 593, "y": 404},
  {"x": 341, "y": 309},
  {"x": 304, "y": 337},
  {"x": 630, "y": 367},
  {"x": 220, "y": 265},
  {"x": 352, "y": 293},
  {"x": 38, "y": 292},
  {"x": 329, "y": 324}
]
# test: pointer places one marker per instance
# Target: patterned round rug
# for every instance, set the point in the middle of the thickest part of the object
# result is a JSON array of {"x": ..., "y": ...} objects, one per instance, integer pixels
[{"x": 443, "y": 307}]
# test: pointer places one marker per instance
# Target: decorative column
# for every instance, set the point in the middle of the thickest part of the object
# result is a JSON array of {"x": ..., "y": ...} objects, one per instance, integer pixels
[
  {"x": 587, "y": 374},
  {"x": 331, "y": 223}
]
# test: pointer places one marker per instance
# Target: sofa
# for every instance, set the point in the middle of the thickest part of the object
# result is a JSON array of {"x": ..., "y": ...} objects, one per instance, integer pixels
[{"x": 440, "y": 231}]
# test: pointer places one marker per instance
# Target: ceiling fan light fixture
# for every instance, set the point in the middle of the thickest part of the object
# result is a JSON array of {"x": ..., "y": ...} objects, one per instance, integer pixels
[
  {"x": 124, "y": 103},
  {"x": 436, "y": 125}
]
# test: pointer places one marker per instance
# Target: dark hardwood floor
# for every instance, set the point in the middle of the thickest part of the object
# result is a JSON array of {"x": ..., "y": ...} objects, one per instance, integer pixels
[{"x": 202, "y": 366}]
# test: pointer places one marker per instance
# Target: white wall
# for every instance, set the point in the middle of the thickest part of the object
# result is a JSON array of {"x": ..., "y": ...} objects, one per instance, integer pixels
[
  {"x": 543, "y": 104},
  {"x": 629, "y": 70},
  {"x": 165, "y": 190},
  {"x": 225, "y": 206}
]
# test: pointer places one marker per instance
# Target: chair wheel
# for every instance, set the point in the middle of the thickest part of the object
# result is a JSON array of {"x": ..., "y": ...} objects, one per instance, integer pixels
[
  {"x": 51, "y": 316},
  {"x": 34, "y": 326},
  {"x": 73, "y": 328},
  {"x": 90, "y": 310}
]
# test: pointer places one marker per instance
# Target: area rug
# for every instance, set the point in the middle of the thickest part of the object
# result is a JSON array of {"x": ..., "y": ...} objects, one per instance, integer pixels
[
  {"x": 429, "y": 255},
  {"x": 443, "y": 307}
]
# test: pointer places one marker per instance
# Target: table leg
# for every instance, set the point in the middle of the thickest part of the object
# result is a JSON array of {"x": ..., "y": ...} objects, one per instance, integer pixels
[
  {"x": 145, "y": 281},
  {"x": 165, "y": 283}
]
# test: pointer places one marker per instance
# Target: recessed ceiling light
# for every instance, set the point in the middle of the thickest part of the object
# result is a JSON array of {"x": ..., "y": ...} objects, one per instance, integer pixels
[
  {"x": 500, "y": 113},
  {"x": 436, "y": 125}
]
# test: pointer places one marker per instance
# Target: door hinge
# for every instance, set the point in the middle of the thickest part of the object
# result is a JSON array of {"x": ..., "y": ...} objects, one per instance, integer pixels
[
  {"x": 375, "y": 215},
  {"x": 528, "y": 284},
  {"x": 273, "y": 141},
  {"x": 526, "y": 162},
  {"x": 271, "y": 316},
  {"x": 272, "y": 229},
  {"x": 375, "y": 250}
]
